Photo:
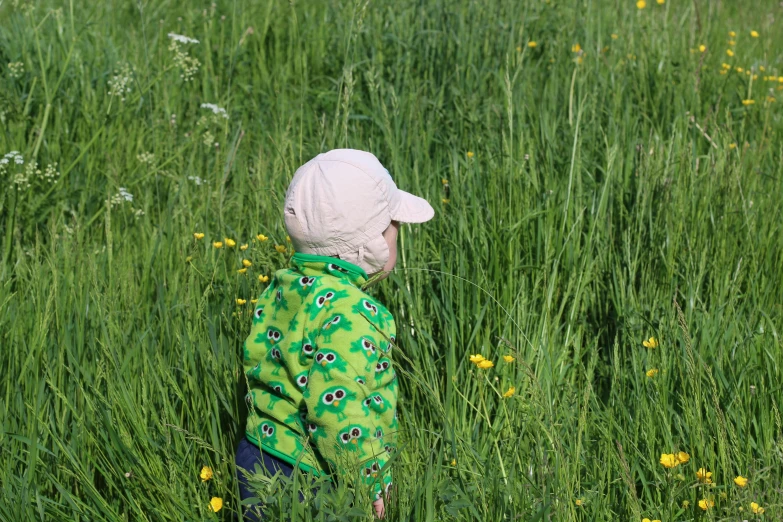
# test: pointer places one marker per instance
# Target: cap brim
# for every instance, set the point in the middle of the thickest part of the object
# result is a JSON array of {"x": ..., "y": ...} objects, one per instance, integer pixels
[{"x": 412, "y": 209}]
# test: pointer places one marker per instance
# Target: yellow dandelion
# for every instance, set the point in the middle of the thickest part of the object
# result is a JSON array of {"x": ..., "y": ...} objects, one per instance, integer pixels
[
  {"x": 477, "y": 358},
  {"x": 704, "y": 476},
  {"x": 576, "y": 48},
  {"x": 261, "y": 237},
  {"x": 216, "y": 504},
  {"x": 652, "y": 342},
  {"x": 757, "y": 510},
  {"x": 702, "y": 48},
  {"x": 240, "y": 302},
  {"x": 668, "y": 460},
  {"x": 198, "y": 235},
  {"x": 242, "y": 271},
  {"x": 652, "y": 372},
  {"x": 732, "y": 146},
  {"x": 754, "y": 34},
  {"x": 578, "y": 502},
  {"x": 511, "y": 390},
  {"x": 485, "y": 364},
  {"x": 280, "y": 248},
  {"x": 206, "y": 473},
  {"x": 748, "y": 102},
  {"x": 729, "y": 52},
  {"x": 732, "y": 34},
  {"x": 244, "y": 247},
  {"x": 641, "y": 4},
  {"x": 532, "y": 44},
  {"x": 741, "y": 481},
  {"x": 706, "y": 503},
  {"x": 470, "y": 154},
  {"x": 263, "y": 278},
  {"x": 246, "y": 263},
  {"x": 508, "y": 358},
  {"x": 217, "y": 244}
]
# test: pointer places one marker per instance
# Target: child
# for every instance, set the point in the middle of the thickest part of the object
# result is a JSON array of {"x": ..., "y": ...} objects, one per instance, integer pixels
[{"x": 322, "y": 390}]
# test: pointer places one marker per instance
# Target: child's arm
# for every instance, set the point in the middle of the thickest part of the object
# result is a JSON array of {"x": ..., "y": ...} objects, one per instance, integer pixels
[{"x": 351, "y": 396}]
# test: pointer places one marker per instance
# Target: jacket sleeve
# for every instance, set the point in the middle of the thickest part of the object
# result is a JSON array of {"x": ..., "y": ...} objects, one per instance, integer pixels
[{"x": 351, "y": 394}]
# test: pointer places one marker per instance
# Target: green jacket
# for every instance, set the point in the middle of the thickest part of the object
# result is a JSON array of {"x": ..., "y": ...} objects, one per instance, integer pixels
[{"x": 322, "y": 390}]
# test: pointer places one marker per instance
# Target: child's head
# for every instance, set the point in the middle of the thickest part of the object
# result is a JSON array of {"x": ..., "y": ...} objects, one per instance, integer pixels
[{"x": 343, "y": 203}]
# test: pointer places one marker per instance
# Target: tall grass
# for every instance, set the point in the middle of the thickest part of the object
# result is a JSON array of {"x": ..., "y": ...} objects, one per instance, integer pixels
[{"x": 586, "y": 201}]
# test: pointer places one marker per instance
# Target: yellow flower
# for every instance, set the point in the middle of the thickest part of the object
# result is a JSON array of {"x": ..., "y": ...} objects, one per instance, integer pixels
[
  {"x": 771, "y": 99},
  {"x": 508, "y": 358},
  {"x": 253, "y": 301},
  {"x": 240, "y": 302},
  {"x": 732, "y": 34},
  {"x": 261, "y": 237},
  {"x": 725, "y": 66},
  {"x": 614, "y": 36},
  {"x": 732, "y": 146},
  {"x": 216, "y": 504},
  {"x": 243, "y": 247},
  {"x": 288, "y": 238},
  {"x": 578, "y": 502},
  {"x": 739, "y": 69},
  {"x": 706, "y": 503},
  {"x": 686, "y": 504},
  {"x": 732, "y": 43},
  {"x": 668, "y": 460},
  {"x": 217, "y": 244},
  {"x": 754, "y": 34},
  {"x": 532, "y": 44},
  {"x": 579, "y": 59},
  {"x": 650, "y": 343},
  {"x": 444, "y": 181},
  {"x": 576, "y": 48},
  {"x": 641, "y": 4},
  {"x": 470, "y": 154},
  {"x": 206, "y": 473},
  {"x": 729, "y": 52},
  {"x": 704, "y": 476},
  {"x": 519, "y": 48},
  {"x": 262, "y": 278},
  {"x": 198, "y": 235},
  {"x": 445, "y": 201},
  {"x": 780, "y": 79},
  {"x": 646, "y": 520},
  {"x": 246, "y": 263},
  {"x": 280, "y": 248},
  {"x": 652, "y": 372},
  {"x": 660, "y": 2},
  {"x": 453, "y": 462},
  {"x": 230, "y": 243},
  {"x": 762, "y": 68},
  {"x": 682, "y": 457},
  {"x": 475, "y": 359},
  {"x": 242, "y": 271},
  {"x": 189, "y": 259},
  {"x": 748, "y": 102},
  {"x": 485, "y": 364},
  {"x": 509, "y": 392},
  {"x": 702, "y": 48},
  {"x": 757, "y": 510}
]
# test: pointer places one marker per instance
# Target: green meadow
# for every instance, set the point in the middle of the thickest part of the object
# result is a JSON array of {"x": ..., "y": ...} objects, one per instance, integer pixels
[{"x": 603, "y": 172}]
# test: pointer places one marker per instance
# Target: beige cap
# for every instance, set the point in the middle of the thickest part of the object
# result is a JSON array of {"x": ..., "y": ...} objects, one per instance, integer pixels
[{"x": 340, "y": 202}]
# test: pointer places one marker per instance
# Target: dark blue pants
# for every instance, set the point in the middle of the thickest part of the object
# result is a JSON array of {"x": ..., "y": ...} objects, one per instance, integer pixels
[{"x": 248, "y": 455}]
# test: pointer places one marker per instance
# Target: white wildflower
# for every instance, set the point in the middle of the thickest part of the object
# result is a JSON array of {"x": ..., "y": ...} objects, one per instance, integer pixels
[
  {"x": 138, "y": 213},
  {"x": 209, "y": 139},
  {"x": 147, "y": 158},
  {"x": 120, "y": 83},
  {"x": 6, "y": 161},
  {"x": 187, "y": 65},
  {"x": 15, "y": 69},
  {"x": 182, "y": 38},
  {"x": 121, "y": 197},
  {"x": 50, "y": 174},
  {"x": 197, "y": 180},
  {"x": 218, "y": 111}
]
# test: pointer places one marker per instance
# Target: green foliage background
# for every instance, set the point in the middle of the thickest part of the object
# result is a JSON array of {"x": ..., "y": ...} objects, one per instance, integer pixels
[{"x": 606, "y": 189}]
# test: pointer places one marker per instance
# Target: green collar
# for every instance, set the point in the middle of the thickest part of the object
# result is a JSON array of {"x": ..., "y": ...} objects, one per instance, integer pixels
[{"x": 329, "y": 265}]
